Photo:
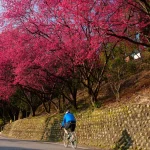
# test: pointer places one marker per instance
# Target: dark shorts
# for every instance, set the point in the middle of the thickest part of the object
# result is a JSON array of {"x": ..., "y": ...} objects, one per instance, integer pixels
[{"x": 71, "y": 126}]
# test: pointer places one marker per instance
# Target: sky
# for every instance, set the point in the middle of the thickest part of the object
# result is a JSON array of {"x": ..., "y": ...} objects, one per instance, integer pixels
[
  {"x": 1, "y": 8},
  {"x": 1, "y": 21}
]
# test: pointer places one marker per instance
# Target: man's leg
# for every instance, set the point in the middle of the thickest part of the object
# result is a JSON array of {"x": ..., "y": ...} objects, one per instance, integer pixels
[
  {"x": 65, "y": 131},
  {"x": 67, "y": 126},
  {"x": 72, "y": 127}
]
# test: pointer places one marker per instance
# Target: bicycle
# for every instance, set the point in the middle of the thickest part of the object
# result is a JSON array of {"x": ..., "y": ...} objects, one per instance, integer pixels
[{"x": 72, "y": 139}]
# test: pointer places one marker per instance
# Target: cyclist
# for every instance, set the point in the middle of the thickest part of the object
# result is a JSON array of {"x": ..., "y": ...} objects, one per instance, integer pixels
[{"x": 69, "y": 122}]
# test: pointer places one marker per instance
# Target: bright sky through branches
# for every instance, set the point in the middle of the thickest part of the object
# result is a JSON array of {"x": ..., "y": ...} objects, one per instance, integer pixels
[{"x": 1, "y": 21}]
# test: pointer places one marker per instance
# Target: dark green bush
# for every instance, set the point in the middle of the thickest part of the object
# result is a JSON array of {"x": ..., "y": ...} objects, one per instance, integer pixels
[
  {"x": 131, "y": 67},
  {"x": 1, "y": 122}
]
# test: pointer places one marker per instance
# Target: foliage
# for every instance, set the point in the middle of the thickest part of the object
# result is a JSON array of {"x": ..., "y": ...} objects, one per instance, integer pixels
[
  {"x": 17, "y": 100},
  {"x": 116, "y": 71},
  {"x": 131, "y": 67},
  {"x": 1, "y": 122}
]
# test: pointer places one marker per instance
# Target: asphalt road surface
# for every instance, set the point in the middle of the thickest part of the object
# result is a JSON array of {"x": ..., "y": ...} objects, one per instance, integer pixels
[{"x": 15, "y": 144}]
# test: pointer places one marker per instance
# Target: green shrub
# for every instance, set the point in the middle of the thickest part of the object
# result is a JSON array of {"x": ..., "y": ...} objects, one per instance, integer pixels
[
  {"x": 146, "y": 57},
  {"x": 1, "y": 122},
  {"x": 97, "y": 104},
  {"x": 131, "y": 67}
]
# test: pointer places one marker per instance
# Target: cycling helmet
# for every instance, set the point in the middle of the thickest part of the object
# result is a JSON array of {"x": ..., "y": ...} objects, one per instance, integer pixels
[{"x": 68, "y": 111}]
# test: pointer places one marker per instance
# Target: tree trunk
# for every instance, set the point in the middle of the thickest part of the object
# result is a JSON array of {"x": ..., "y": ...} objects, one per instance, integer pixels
[{"x": 32, "y": 111}]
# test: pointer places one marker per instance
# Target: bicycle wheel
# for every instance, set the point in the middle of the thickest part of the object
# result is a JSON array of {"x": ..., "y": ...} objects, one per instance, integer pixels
[
  {"x": 74, "y": 141},
  {"x": 65, "y": 140}
]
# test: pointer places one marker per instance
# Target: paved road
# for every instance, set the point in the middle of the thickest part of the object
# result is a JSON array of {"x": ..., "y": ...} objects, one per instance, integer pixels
[{"x": 14, "y": 144}]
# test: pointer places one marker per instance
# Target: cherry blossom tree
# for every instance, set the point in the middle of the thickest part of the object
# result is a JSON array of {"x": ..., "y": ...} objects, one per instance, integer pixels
[
  {"x": 52, "y": 40},
  {"x": 6, "y": 70}
]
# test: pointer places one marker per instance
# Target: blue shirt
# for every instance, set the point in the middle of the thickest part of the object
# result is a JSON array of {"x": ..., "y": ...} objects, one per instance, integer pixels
[{"x": 68, "y": 117}]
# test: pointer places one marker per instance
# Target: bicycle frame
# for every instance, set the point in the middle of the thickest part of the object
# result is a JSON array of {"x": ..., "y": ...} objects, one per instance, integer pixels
[{"x": 72, "y": 140}]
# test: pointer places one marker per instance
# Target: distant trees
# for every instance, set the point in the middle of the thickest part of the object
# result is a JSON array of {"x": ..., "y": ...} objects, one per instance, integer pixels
[{"x": 117, "y": 71}]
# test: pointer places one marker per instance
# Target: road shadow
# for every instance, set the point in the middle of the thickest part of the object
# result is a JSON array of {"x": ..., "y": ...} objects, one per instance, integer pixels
[
  {"x": 125, "y": 142},
  {"x": 9, "y": 139},
  {"x": 15, "y": 148}
]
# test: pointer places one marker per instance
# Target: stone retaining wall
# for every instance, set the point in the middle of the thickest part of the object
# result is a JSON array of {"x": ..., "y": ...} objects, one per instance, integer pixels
[
  {"x": 29, "y": 128},
  {"x": 123, "y": 128}
]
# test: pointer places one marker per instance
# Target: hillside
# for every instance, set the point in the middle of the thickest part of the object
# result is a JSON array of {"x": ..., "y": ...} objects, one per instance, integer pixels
[{"x": 135, "y": 89}]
